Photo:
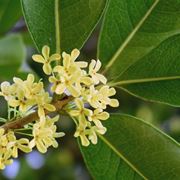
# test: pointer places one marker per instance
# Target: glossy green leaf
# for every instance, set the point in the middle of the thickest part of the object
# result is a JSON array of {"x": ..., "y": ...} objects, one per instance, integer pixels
[
  {"x": 10, "y": 12},
  {"x": 132, "y": 29},
  {"x": 62, "y": 25},
  {"x": 133, "y": 149},
  {"x": 156, "y": 76},
  {"x": 12, "y": 54}
]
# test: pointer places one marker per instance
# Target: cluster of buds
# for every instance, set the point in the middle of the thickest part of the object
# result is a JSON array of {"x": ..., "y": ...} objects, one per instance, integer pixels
[{"x": 68, "y": 77}]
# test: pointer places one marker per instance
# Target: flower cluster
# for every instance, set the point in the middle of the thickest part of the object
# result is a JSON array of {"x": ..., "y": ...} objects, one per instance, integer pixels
[
  {"x": 88, "y": 87},
  {"x": 9, "y": 146},
  {"x": 70, "y": 79},
  {"x": 25, "y": 97}
]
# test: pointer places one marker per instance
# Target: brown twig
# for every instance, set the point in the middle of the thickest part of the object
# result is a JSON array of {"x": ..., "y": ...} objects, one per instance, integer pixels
[{"x": 19, "y": 123}]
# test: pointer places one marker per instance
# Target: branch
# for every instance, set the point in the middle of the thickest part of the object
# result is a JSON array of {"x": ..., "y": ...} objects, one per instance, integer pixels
[{"x": 19, "y": 123}]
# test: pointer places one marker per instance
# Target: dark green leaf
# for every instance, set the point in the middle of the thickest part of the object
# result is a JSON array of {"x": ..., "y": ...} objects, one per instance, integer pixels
[
  {"x": 157, "y": 75},
  {"x": 132, "y": 29},
  {"x": 12, "y": 53},
  {"x": 133, "y": 149},
  {"x": 62, "y": 25},
  {"x": 10, "y": 12}
]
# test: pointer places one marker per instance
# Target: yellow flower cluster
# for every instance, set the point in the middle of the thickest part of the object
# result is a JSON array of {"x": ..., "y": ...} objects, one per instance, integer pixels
[
  {"x": 68, "y": 77},
  {"x": 27, "y": 96},
  {"x": 9, "y": 146},
  {"x": 88, "y": 87}
]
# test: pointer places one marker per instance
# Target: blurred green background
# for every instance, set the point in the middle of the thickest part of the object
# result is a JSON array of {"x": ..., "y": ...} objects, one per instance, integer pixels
[{"x": 65, "y": 162}]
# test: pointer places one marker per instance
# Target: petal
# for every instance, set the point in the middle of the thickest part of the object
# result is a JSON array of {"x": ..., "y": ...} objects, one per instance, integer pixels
[
  {"x": 52, "y": 79},
  {"x": 30, "y": 78},
  {"x": 45, "y": 51},
  {"x": 18, "y": 81},
  {"x": 41, "y": 147},
  {"x": 79, "y": 103},
  {"x": 111, "y": 92},
  {"x": 59, "y": 69},
  {"x": 74, "y": 54},
  {"x": 24, "y": 148},
  {"x": 38, "y": 58},
  {"x": 98, "y": 123},
  {"x": 86, "y": 80},
  {"x": 103, "y": 116},
  {"x": 93, "y": 138},
  {"x": 95, "y": 79},
  {"x": 58, "y": 135},
  {"x": 74, "y": 91},
  {"x": 82, "y": 64},
  {"x": 101, "y": 78},
  {"x": 66, "y": 61},
  {"x": 101, "y": 130},
  {"x": 114, "y": 103},
  {"x": 60, "y": 88},
  {"x": 5, "y": 85},
  {"x": 47, "y": 68},
  {"x": 15, "y": 152},
  {"x": 74, "y": 113},
  {"x": 84, "y": 140},
  {"x": 98, "y": 65},
  {"x": 92, "y": 65},
  {"x": 54, "y": 143},
  {"x": 55, "y": 57},
  {"x": 41, "y": 112},
  {"x": 32, "y": 143},
  {"x": 49, "y": 107},
  {"x": 88, "y": 112}
]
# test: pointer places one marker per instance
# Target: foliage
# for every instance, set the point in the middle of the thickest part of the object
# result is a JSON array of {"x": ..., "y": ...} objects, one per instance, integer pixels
[{"x": 138, "y": 46}]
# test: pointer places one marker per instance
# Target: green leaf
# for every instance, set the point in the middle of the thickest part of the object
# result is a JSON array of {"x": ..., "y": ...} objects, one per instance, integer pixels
[
  {"x": 132, "y": 29},
  {"x": 156, "y": 76},
  {"x": 62, "y": 25},
  {"x": 133, "y": 149},
  {"x": 12, "y": 54},
  {"x": 10, "y": 12}
]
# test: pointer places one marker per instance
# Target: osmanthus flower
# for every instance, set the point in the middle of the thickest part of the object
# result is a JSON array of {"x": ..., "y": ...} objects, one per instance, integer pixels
[
  {"x": 46, "y": 59},
  {"x": 44, "y": 133},
  {"x": 89, "y": 97},
  {"x": 81, "y": 132},
  {"x": 98, "y": 116},
  {"x": 67, "y": 83},
  {"x": 69, "y": 60},
  {"x": 32, "y": 88},
  {"x": 94, "y": 131},
  {"x": 93, "y": 97},
  {"x": 81, "y": 112},
  {"x": 106, "y": 92},
  {"x": 5, "y": 153},
  {"x": 7, "y": 90},
  {"x": 5, "y": 159},
  {"x": 20, "y": 101},
  {"x": 94, "y": 67},
  {"x": 89, "y": 133},
  {"x": 44, "y": 103},
  {"x": 3, "y": 141},
  {"x": 15, "y": 145}
]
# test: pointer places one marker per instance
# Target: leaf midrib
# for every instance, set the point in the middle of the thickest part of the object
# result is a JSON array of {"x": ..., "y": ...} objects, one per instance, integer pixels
[
  {"x": 122, "y": 156},
  {"x": 111, "y": 146},
  {"x": 144, "y": 80},
  {"x": 57, "y": 26},
  {"x": 131, "y": 35}
]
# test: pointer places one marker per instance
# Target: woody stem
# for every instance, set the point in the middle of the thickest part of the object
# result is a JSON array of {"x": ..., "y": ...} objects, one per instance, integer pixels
[{"x": 19, "y": 123}]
